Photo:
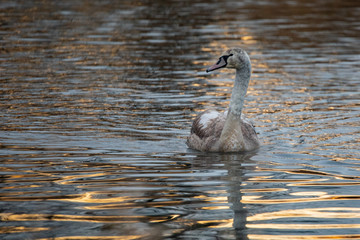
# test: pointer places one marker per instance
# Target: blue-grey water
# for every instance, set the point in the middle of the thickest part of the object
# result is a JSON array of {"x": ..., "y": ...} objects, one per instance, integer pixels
[{"x": 97, "y": 99}]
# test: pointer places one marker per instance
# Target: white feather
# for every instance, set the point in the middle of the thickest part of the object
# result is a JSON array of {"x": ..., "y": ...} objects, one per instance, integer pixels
[{"x": 207, "y": 117}]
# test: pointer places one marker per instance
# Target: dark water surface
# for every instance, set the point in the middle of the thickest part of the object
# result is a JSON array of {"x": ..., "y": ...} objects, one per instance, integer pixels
[{"x": 97, "y": 99}]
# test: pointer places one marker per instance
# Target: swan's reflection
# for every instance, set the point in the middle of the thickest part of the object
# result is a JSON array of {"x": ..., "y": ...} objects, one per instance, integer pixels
[
  {"x": 202, "y": 196},
  {"x": 235, "y": 165}
]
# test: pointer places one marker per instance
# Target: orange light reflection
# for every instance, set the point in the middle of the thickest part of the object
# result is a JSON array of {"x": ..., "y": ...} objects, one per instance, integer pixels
[
  {"x": 225, "y": 223},
  {"x": 7, "y": 217},
  {"x": 301, "y": 237},
  {"x": 13, "y": 229},
  {"x": 258, "y": 200},
  {"x": 302, "y": 226},
  {"x": 127, "y": 237},
  {"x": 333, "y": 213}
]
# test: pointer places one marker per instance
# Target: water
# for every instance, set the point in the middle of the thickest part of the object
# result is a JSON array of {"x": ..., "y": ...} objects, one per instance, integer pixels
[{"x": 97, "y": 99}]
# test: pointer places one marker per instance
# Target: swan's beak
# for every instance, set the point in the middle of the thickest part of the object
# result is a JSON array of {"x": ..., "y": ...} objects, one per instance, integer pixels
[{"x": 220, "y": 64}]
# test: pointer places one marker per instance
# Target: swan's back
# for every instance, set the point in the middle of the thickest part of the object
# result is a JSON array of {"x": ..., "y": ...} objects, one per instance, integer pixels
[{"x": 207, "y": 130}]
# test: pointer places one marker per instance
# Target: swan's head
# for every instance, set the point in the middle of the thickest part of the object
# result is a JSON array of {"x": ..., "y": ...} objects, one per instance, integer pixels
[{"x": 233, "y": 58}]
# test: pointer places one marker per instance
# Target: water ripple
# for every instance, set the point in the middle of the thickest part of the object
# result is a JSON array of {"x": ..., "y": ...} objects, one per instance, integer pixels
[{"x": 97, "y": 99}]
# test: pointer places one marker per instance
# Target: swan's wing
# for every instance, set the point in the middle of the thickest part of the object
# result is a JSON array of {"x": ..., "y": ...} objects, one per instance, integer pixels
[
  {"x": 248, "y": 129},
  {"x": 206, "y": 130},
  {"x": 208, "y": 124}
]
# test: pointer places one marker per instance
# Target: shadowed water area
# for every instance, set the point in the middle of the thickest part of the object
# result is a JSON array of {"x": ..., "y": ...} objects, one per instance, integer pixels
[{"x": 97, "y": 99}]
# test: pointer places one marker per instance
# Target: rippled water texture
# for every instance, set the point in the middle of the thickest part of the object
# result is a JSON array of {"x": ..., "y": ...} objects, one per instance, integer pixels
[{"x": 97, "y": 99}]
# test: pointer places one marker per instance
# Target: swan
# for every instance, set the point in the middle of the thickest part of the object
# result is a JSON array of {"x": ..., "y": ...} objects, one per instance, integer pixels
[{"x": 227, "y": 131}]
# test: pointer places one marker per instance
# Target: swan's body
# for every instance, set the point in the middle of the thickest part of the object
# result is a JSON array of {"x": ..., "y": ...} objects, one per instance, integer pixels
[{"x": 227, "y": 131}]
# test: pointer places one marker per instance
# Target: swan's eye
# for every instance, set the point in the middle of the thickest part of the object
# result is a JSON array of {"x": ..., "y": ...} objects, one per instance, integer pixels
[
  {"x": 226, "y": 57},
  {"x": 229, "y": 56}
]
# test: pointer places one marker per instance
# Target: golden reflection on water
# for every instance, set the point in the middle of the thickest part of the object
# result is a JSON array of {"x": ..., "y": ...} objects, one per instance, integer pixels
[
  {"x": 302, "y": 237},
  {"x": 75, "y": 218},
  {"x": 13, "y": 229},
  {"x": 336, "y": 212},
  {"x": 94, "y": 197},
  {"x": 259, "y": 200},
  {"x": 225, "y": 223},
  {"x": 127, "y": 237},
  {"x": 302, "y": 226}
]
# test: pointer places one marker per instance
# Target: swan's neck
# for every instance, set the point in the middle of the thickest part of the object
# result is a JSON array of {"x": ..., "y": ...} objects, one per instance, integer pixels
[
  {"x": 231, "y": 138},
  {"x": 239, "y": 91}
]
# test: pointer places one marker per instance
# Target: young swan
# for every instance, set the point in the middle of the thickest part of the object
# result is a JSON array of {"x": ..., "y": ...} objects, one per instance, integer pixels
[{"x": 228, "y": 131}]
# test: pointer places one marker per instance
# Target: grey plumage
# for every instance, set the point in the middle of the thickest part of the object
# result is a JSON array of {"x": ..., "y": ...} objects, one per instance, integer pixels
[{"x": 228, "y": 131}]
